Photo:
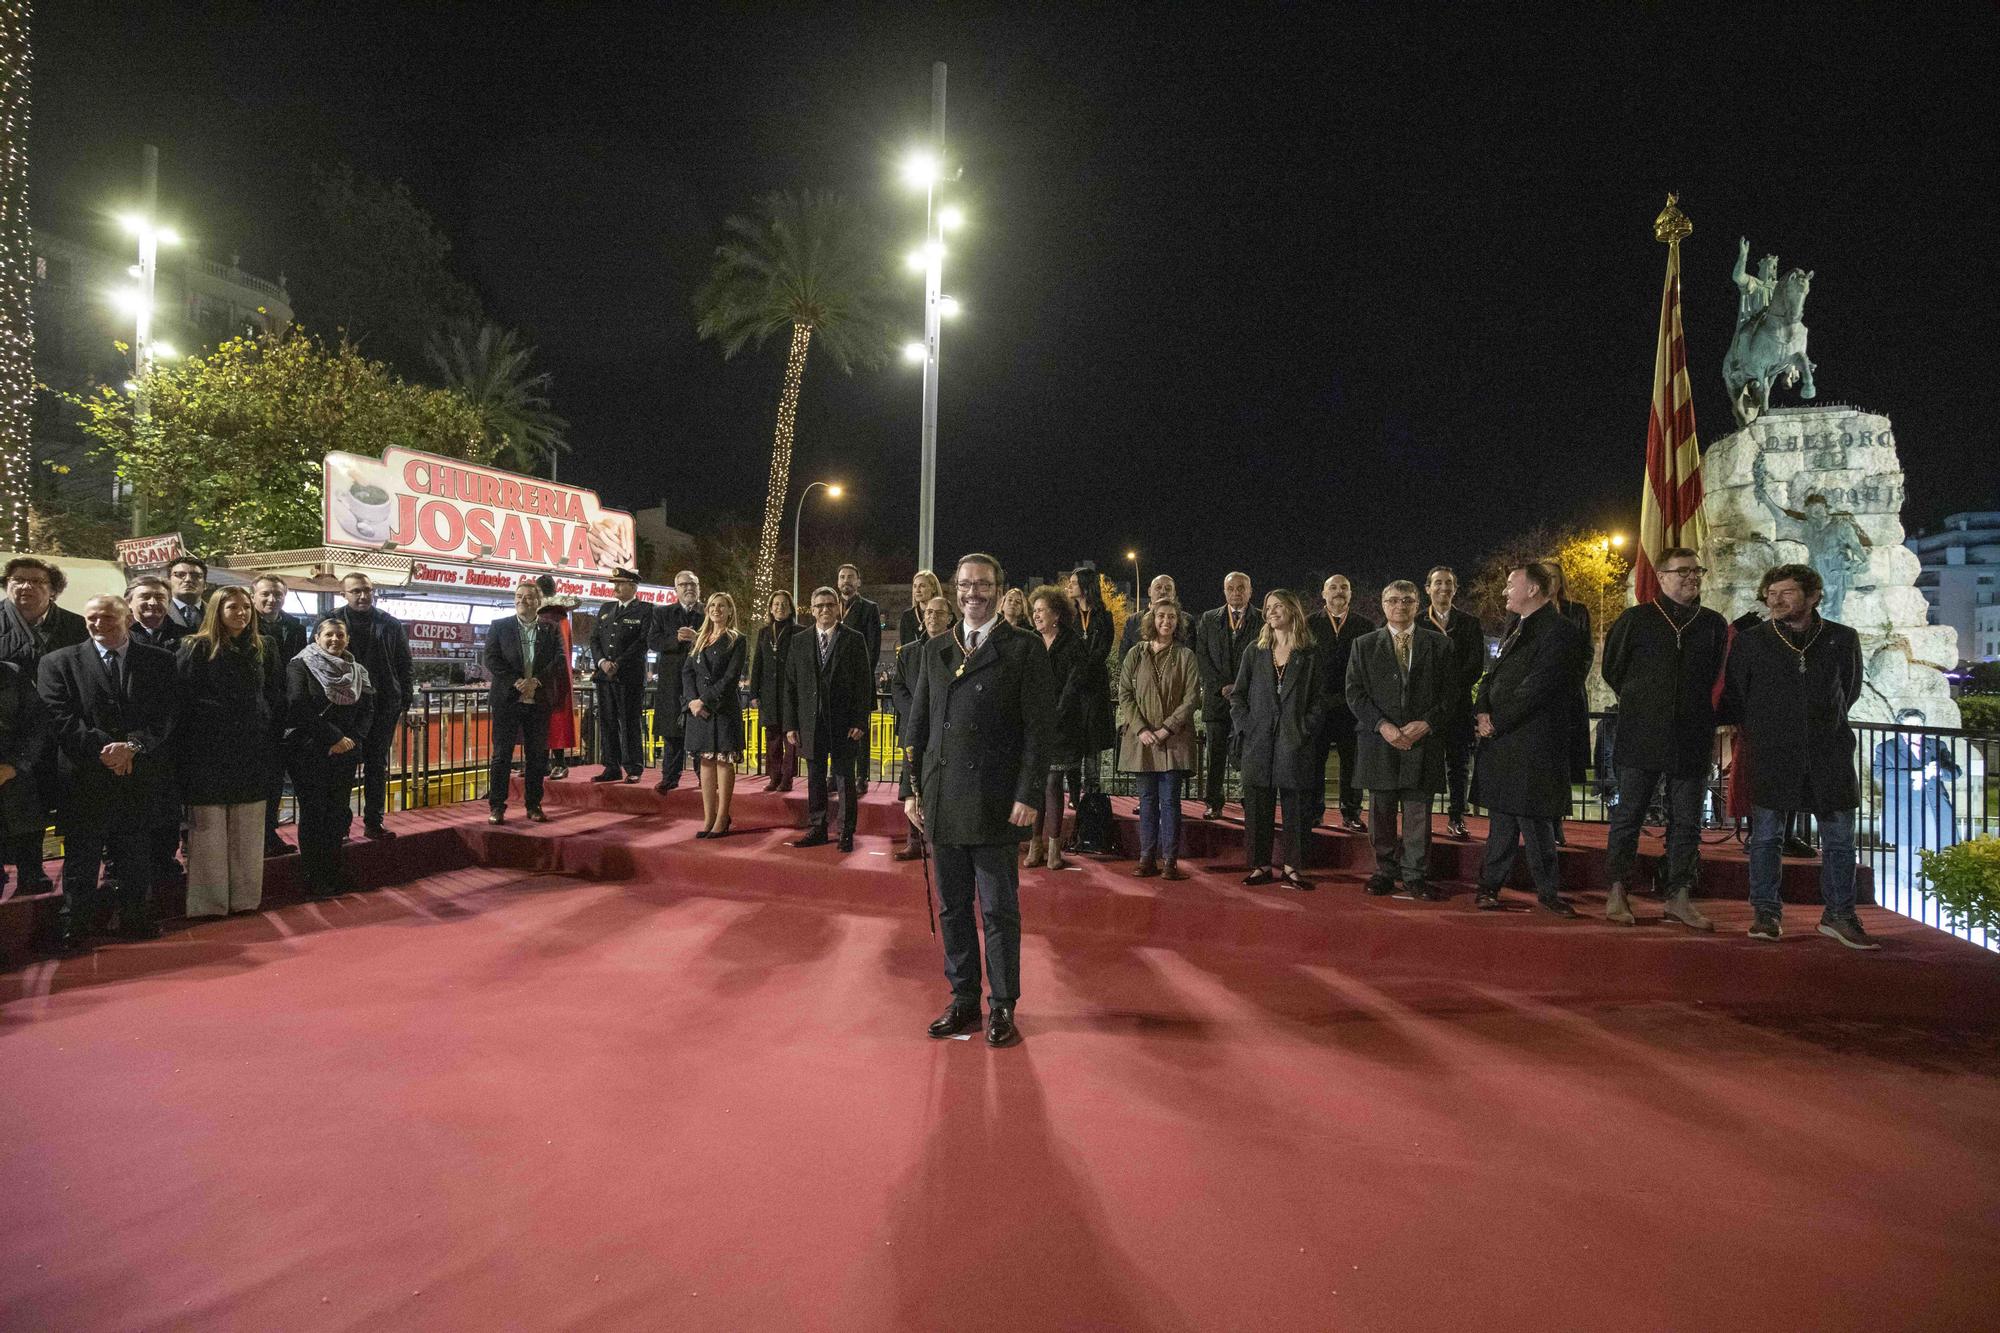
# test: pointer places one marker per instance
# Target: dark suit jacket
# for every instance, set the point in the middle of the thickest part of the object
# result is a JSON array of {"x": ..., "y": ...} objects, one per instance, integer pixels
[
  {"x": 167, "y": 636},
  {"x": 289, "y": 636},
  {"x": 828, "y": 702},
  {"x": 505, "y": 664},
  {"x": 227, "y": 740},
  {"x": 910, "y": 628},
  {"x": 86, "y": 716},
  {"x": 670, "y": 658},
  {"x": 715, "y": 676},
  {"x": 1801, "y": 747},
  {"x": 1279, "y": 723},
  {"x": 620, "y": 635},
  {"x": 1468, "y": 660},
  {"x": 384, "y": 649},
  {"x": 1666, "y": 685},
  {"x": 984, "y": 734},
  {"x": 1530, "y": 693},
  {"x": 1334, "y": 648},
  {"x": 767, "y": 674},
  {"x": 1219, "y": 653},
  {"x": 1375, "y": 692},
  {"x": 18, "y": 643},
  {"x": 24, "y": 747},
  {"x": 865, "y": 618}
]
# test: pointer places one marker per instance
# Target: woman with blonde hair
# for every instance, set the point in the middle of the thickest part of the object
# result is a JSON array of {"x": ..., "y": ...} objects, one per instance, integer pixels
[
  {"x": 1014, "y": 608},
  {"x": 714, "y": 705},
  {"x": 924, "y": 585},
  {"x": 1159, "y": 685},
  {"x": 1277, "y": 708},
  {"x": 231, "y": 701}
]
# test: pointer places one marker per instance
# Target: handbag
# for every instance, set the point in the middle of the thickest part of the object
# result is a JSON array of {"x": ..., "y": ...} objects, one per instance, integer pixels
[{"x": 1096, "y": 833}]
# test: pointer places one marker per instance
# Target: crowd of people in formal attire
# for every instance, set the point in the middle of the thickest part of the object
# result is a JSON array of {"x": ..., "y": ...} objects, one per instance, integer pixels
[{"x": 174, "y": 712}]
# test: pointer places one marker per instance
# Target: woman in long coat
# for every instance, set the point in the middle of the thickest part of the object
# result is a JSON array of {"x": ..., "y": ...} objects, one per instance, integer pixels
[
  {"x": 1159, "y": 687},
  {"x": 767, "y": 687},
  {"x": 329, "y": 703},
  {"x": 1052, "y": 617},
  {"x": 562, "y": 698},
  {"x": 1093, "y": 622},
  {"x": 711, "y": 695},
  {"x": 227, "y": 744},
  {"x": 1277, "y": 708}
]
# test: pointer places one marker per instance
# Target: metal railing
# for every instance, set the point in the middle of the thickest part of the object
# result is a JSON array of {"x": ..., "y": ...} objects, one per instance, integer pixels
[{"x": 1943, "y": 793}]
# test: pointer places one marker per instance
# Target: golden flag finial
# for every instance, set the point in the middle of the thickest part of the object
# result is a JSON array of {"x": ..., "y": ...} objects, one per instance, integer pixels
[{"x": 1672, "y": 226}]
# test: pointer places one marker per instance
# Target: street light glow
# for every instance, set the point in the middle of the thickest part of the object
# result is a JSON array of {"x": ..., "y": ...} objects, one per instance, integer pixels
[
  {"x": 920, "y": 170},
  {"x": 161, "y": 349},
  {"x": 835, "y": 489},
  {"x": 934, "y": 250},
  {"x": 918, "y": 261},
  {"x": 1617, "y": 539},
  {"x": 131, "y": 301},
  {"x": 166, "y": 236},
  {"x": 1131, "y": 555},
  {"x": 947, "y": 306},
  {"x": 915, "y": 353},
  {"x": 133, "y": 223},
  {"x": 951, "y": 217}
]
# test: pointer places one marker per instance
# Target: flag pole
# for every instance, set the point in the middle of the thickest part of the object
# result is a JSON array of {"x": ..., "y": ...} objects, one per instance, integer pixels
[{"x": 1670, "y": 501}]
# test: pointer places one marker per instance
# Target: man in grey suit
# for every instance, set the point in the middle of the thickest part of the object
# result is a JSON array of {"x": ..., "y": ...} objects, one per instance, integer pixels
[
  {"x": 982, "y": 718},
  {"x": 1399, "y": 687},
  {"x": 1220, "y": 639},
  {"x": 523, "y": 654},
  {"x": 828, "y": 696}
]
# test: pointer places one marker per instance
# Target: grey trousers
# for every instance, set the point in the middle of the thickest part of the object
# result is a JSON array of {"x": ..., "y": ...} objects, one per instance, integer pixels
[
  {"x": 1414, "y": 843},
  {"x": 225, "y": 858}
]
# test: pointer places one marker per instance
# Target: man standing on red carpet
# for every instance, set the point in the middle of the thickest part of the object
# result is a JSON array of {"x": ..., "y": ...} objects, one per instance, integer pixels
[{"x": 981, "y": 719}]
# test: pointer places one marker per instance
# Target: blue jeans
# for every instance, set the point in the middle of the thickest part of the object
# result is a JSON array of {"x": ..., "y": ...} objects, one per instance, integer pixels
[
  {"x": 1635, "y": 793},
  {"x": 1159, "y": 815},
  {"x": 1836, "y": 859}
]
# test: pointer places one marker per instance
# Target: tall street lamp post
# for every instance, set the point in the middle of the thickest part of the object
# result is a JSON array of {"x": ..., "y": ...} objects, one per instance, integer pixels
[
  {"x": 144, "y": 225},
  {"x": 833, "y": 489}
]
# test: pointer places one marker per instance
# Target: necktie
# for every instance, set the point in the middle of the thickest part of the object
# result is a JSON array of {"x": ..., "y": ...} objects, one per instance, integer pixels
[
  {"x": 114, "y": 667},
  {"x": 825, "y": 647},
  {"x": 1403, "y": 653},
  {"x": 971, "y": 642}
]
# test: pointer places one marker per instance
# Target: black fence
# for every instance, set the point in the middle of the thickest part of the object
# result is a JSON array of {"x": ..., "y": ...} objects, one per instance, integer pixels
[{"x": 1922, "y": 787}]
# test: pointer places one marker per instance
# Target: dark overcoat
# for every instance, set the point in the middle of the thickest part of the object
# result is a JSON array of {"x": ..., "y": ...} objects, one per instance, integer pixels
[
  {"x": 287, "y": 634},
  {"x": 167, "y": 636},
  {"x": 865, "y": 618},
  {"x": 714, "y": 675},
  {"x": 24, "y": 747},
  {"x": 1530, "y": 692},
  {"x": 670, "y": 656},
  {"x": 226, "y": 746},
  {"x": 1336, "y": 646},
  {"x": 767, "y": 675},
  {"x": 1468, "y": 660},
  {"x": 85, "y": 715},
  {"x": 1375, "y": 692},
  {"x": 620, "y": 634},
  {"x": 1079, "y": 689},
  {"x": 1664, "y": 662},
  {"x": 1801, "y": 747},
  {"x": 1219, "y": 652},
  {"x": 1277, "y": 723},
  {"x": 315, "y": 724},
  {"x": 379, "y": 642},
  {"x": 839, "y": 696},
  {"x": 25, "y": 646},
  {"x": 984, "y": 733}
]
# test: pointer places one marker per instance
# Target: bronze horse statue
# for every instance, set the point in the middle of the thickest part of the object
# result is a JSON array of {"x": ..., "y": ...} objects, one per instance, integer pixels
[{"x": 1770, "y": 343}]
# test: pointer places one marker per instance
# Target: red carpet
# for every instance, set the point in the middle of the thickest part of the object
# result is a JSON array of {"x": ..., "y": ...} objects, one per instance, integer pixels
[{"x": 693, "y": 1093}]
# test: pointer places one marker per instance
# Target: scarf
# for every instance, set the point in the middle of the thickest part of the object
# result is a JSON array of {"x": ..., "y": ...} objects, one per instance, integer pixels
[{"x": 343, "y": 679}]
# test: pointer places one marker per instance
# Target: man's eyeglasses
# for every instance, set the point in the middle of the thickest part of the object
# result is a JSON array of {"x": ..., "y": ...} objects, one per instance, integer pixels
[
  {"x": 1693, "y": 571},
  {"x": 983, "y": 585}
]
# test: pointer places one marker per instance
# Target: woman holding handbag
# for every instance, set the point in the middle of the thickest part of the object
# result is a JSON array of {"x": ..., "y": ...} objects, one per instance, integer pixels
[{"x": 1159, "y": 686}]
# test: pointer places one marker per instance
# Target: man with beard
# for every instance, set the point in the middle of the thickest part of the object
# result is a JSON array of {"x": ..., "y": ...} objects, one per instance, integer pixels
[
  {"x": 1335, "y": 630},
  {"x": 378, "y": 641}
]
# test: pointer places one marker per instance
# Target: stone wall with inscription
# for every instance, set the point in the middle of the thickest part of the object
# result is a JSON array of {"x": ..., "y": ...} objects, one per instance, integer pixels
[{"x": 1824, "y": 486}]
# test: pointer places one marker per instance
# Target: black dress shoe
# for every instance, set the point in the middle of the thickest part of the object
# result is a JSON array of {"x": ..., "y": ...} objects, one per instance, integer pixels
[
  {"x": 376, "y": 833},
  {"x": 1259, "y": 876},
  {"x": 536, "y": 816},
  {"x": 1556, "y": 905},
  {"x": 704, "y": 834},
  {"x": 816, "y": 838},
  {"x": 1000, "y": 1029},
  {"x": 608, "y": 775},
  {"x": 1455, "y": 828},
  {"x": 1487, "y": 900},
  {"x": 909, "y": 853},
  {"x": 963, "y": 1016},
  {"x": 143, "y": 929},
  {"x": 1423, "y": 892},
  {"x": 1354, "y": 823},
  {"x": 847, "y": 842},
  {"x": 1378, "y": 887},
  {"x": 1211, "y": 812},
  {"x": 1292, "y": 879},
  {"x": 496, "y": 816}
]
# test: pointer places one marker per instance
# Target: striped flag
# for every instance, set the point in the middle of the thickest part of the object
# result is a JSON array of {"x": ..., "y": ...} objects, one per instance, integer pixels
[{"x": 1670, "y": 505}]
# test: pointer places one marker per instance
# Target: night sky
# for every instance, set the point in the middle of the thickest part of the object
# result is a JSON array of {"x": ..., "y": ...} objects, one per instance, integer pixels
[{"x": 1279, "y": 290}]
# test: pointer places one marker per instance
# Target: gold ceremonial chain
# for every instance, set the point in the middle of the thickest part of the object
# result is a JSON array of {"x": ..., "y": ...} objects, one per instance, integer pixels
[
  {"x": 964, "y": 653},
  {"x": 1431, "y": 612},
  {"x": 1677, "y": 629},
  {"x": 1779, "y": 631}
]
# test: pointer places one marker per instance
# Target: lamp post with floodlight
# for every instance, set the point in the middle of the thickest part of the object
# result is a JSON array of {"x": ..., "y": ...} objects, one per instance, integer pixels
[{"x": 834, "y": 490}]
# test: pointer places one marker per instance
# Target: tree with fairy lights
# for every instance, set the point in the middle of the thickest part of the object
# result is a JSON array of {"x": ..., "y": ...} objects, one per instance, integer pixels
[
  {"x": 810, "y": 263},
  {"x": 17, "y": 335}
]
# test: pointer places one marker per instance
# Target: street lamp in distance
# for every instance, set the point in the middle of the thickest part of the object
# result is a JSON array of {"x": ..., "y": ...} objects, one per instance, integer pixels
[{"x": 834, "y": 491}]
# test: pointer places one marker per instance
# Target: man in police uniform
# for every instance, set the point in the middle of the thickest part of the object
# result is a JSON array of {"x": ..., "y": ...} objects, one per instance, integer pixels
[{"x": 618, "y": 643}]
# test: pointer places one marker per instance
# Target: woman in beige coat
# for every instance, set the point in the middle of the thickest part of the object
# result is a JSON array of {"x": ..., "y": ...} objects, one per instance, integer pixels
[{"x": 1158, "y": 688}]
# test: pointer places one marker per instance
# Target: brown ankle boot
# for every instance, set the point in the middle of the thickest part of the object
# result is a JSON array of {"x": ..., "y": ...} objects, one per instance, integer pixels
[
  {"x": 1146, "y": 869},
  {"x": 1054, "y": 859},
  {"x": 1034, "y": 856},
  {"x": 1172, "y": 870}
]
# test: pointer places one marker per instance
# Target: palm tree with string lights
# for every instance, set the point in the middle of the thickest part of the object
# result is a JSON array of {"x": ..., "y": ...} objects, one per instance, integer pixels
[
  {"x": 488, "y": 367},
  {"x": 809, "y": 263}
]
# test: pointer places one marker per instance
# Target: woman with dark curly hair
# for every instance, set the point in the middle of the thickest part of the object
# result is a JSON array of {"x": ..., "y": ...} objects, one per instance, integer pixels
[{"x": 1077, "y": 676}]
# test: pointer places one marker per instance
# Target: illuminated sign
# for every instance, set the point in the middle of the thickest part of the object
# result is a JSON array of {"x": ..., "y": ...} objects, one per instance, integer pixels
[
  {"x": 424, "y": 574},
  {"x": 415, "y": 504}
]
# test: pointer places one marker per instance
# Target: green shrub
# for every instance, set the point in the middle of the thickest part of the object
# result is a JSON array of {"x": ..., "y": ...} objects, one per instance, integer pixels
[
  {"x": 1981, "y": 712},
  {"x": 1965, "y": 879}
]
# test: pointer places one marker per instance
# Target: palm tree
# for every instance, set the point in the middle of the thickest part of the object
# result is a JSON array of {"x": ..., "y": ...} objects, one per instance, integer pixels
[
  {"x": 488, "y": 367},
  {"x": 807, "y": 262}
]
